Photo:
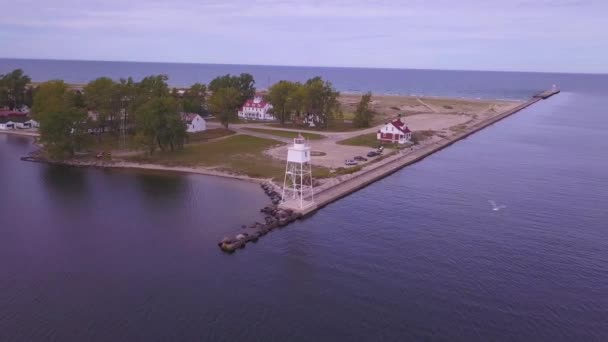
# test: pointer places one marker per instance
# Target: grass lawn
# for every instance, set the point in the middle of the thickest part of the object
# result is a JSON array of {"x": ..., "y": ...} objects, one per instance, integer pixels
[
  {"x": 285, "y": 134},
  {"x": 337, "y": 126},
  {"x": 369, "y": 140},
  {"x": 240, "y": 154},
  {"x": 208, "y": 135}
]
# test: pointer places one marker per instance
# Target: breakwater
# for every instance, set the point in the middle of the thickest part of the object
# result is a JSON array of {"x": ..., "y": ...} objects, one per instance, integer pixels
[{"x": 281, "y": 214}]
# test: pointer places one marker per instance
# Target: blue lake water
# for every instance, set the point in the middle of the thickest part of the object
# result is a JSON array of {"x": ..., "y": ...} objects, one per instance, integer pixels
[
  {"x": 420, "y": 255},
  {"x": 470, "y": 84}
]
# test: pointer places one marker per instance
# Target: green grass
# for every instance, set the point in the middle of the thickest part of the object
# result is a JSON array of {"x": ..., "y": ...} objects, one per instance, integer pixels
[
  {"x": 286, "y": 134},
  {"x": 239, "y": 154},
  {"x": 208, "y": 135},
  {"x": 337, "y": 126},
  {"x": 369, "y": 140}
]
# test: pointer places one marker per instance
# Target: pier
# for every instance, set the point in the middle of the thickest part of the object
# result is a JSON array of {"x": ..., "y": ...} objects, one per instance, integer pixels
[
  {"x": 348, "y": 184},
  {"x": 281, "y": 214}
]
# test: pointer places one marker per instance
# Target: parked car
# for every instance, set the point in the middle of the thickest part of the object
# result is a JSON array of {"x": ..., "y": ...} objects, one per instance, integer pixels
[
  {"x": 350, "y": 162},
  {"x": 372, "y": 154},
  {"x": 380, "y": 149},
  {"x": 359, "y": 158}
]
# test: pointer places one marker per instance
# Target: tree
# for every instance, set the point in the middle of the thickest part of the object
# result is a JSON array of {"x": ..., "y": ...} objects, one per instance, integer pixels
[
  {"x": 150, "y": 87},
  {"x": 62, "y": 123},
  {"x": 13, "y": 88},
  {"x": 194, "y": 99},
  {"x": 102, "y": 96},
  {"x": 159, "y": 125},
  {"x": 50, "y": 98},
  {"x": 321, "y": 102},
  {"x": 224, "y": 104},
  {"x": 244, "y": 84},
  {"x": 283, "y": 98},
  {"x": 364, "y": 114}
]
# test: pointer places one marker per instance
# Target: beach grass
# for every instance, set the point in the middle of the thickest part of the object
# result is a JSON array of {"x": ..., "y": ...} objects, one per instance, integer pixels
[{"x": 285, "y": 134}]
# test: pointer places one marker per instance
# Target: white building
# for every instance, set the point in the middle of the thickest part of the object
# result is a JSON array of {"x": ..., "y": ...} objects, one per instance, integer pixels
[
  {"x": 17, "y": 123},
  {"x": 23, "y": 109},
  {"x": 31, "y": 123},
  {"x": 256, "y": 109},
  {"x": 194, "y": 122},
  {"x": 395, "y": 131}
]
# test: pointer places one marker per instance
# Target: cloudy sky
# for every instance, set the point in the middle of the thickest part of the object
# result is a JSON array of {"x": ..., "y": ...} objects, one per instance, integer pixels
[{"x": 525, "y": 35}]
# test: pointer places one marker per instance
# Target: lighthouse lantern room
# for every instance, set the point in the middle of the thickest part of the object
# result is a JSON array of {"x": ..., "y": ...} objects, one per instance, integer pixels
[{"x": 298, "y": 184}]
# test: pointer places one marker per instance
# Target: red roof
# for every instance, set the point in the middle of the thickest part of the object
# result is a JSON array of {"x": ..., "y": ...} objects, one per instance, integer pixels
[
  {"x": 400, "y": 125},
  {"x": 251, "y": 104},
  {"x": 188, "y": 117},
  {"x": 4, "y": 113}
]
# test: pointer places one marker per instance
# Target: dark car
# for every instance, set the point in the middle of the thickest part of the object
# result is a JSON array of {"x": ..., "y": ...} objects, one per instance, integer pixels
[
  {"x": 372, "y": 154},
  {"x": 359, "y": 158}
]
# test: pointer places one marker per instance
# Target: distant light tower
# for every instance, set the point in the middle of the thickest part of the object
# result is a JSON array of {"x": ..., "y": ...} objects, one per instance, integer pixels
[{"x": 297, "y": 187}]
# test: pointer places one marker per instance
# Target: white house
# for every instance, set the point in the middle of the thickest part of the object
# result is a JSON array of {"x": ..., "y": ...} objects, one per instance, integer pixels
[
  {"x": 31, "y": 123},
  {"x": 6, "y": 124},
  {"x": 15, "y": 122},
  {"x": 194, "y": 122},
  {"x": 395, "y": 131},
  {"x": 256, "y": 109},
  {"x": 23, "y": 109}
]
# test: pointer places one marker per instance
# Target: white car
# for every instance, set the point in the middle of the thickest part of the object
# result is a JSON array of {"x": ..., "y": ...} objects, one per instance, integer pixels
[{"x": 350, "y": 162}]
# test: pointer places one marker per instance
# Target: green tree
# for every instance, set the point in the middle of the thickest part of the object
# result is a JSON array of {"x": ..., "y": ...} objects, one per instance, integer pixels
[
  {"x": 50, "y": 97},
  {"x": 150, "y": 87},
  {"x": 283, "y": 98},
  {"x": 364, "y": 114},
  {"x": 243, "y": 83},
  {"x": 224, "y": 104},
  {"x": 194, "y": 100},
  {"x": 62, "y": 123},
  {"x": 159, "y": 125},
  {"x": 13, "y": 88},
  {"x": 321, "y": 102},
  {"x": 102, "y": 95}
]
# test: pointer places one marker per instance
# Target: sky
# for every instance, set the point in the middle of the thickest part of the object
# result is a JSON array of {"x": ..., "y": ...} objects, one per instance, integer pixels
[{"x": 505, "y": 35}]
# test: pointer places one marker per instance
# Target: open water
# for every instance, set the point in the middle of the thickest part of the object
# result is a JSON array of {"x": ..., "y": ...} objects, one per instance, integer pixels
[{"x": 94, "y": 255}]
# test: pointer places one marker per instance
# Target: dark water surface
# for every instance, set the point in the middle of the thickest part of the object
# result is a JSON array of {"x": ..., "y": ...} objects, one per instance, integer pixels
[
  {"x": 470, "y": 84},
  {"x": 420, "y": 255}
]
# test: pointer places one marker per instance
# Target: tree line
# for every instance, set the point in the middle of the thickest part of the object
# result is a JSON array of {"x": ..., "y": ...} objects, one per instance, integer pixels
[
  {"x": 149, "y": 110},
  {"x": 15, "y": 91}
]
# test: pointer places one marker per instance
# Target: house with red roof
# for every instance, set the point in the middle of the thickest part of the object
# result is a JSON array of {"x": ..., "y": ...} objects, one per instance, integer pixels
[
  {"x": 395, "y": 131},
  {"x": 194, "y": 122},
  {"x": 256, "y": 109}
]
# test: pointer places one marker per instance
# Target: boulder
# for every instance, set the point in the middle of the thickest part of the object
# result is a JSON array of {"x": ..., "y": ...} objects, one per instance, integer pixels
[{"x": 227, "y": 247}]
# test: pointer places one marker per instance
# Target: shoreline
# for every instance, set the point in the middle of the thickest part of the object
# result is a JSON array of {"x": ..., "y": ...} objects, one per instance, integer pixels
[
  {"x": 327, "y": 183},
  {"x": 122, "y": 165},
  {"x": 20, "y": 133}
]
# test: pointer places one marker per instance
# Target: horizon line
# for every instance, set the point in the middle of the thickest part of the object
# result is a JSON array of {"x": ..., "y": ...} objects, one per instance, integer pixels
[{"x": 303, "y": 66}]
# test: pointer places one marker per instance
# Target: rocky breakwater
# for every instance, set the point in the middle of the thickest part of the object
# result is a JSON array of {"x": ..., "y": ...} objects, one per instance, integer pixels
[{"x": 275, "y": 217}]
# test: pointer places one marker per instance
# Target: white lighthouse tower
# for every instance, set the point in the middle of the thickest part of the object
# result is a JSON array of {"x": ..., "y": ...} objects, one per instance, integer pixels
[{"x": 297, "y": 187}]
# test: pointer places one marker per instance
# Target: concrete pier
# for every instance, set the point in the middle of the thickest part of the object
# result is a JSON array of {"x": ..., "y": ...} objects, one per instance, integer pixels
[
  {"x": 281, "y": 215},
  {"x": 351, "y": 183}
]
